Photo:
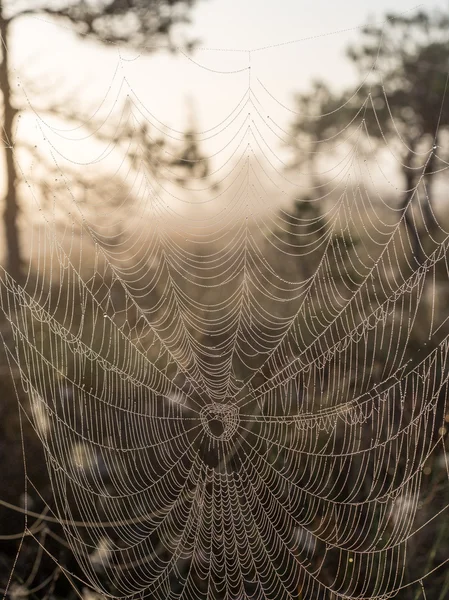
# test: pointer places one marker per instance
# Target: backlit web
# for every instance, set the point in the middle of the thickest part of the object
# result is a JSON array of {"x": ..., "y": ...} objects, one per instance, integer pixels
[{"x": 229, "y": 391}]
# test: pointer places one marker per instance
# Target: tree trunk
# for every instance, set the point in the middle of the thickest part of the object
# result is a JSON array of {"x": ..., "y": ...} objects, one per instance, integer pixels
[
  {"x": 406, "y": 206},
  {"x": 430, "y": 222},
  {"x": 11, "y": 208}
]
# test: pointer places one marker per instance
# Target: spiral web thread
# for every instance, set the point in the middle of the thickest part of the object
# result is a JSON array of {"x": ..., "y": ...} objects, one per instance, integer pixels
[{"x": 211, "y": 391}]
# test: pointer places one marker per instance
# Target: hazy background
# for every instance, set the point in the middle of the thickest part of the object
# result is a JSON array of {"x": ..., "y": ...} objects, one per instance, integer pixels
[
  {"x": 166, "y": 82},
  {"x": 114, "y": 197}
]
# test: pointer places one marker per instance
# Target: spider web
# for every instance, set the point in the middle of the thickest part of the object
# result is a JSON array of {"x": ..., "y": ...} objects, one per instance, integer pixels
[{"x": 225, "y": 390}]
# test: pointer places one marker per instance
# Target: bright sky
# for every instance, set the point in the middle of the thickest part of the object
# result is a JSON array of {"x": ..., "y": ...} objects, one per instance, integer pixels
[
  {"x": 49, "y": 58},
  {"x": 43, "y": 51}
]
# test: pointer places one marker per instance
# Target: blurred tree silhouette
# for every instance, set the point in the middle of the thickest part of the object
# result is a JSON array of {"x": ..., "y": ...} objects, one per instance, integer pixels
[
  {"x": 403, "y": 101},
  {"x": 191, "y": 162},
  {"x": 140, "y": 24},
  {"x": 411, "y": 54},
  {"x": 316, "y": 123}
]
